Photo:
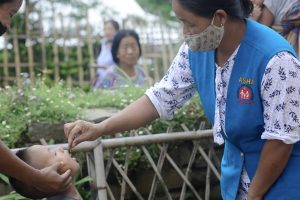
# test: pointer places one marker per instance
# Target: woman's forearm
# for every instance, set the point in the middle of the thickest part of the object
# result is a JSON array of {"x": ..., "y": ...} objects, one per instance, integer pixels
[
  {"x": 136, "y": 115},
  {"x": 273, "y": 159},
  {"x": 11, "y": 165}
]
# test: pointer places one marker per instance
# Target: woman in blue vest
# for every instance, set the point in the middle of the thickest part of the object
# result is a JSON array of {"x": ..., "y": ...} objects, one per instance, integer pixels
[{"x": 247, "y": 76}]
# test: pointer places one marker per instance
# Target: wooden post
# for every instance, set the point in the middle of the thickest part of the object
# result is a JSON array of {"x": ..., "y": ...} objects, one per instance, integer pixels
[
  {"x": 43, "y": 45},
  {"x": 55, "y": 47},
  {"x": 100, "y": 173},
  {"x": 170, "y": 47},
  {"x": 5, "y": 62},
  {"x": 163, "y": 48},
  {"x": 143, "y": 36},
  {"x": 91, "y": 51},
  {"x": 17, "y": 58},
  {"x": 29, "y": 46},
  {"x": 66, "y": 50},
  {"x": 79, "y": 55},
  {"x": 154, "y": 56}
]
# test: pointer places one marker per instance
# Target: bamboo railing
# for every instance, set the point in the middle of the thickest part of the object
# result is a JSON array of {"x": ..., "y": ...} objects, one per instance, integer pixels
[{"x": 101, "y": 159}]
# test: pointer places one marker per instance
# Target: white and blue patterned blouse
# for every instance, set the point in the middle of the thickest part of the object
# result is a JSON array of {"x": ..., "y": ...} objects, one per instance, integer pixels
[{"x": 280, "y": 94}]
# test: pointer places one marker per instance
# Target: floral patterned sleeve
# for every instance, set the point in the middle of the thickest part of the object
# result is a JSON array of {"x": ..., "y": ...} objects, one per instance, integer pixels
[
  {"x": 281, "y": 98},
  {"x": 176, "y": 87}
]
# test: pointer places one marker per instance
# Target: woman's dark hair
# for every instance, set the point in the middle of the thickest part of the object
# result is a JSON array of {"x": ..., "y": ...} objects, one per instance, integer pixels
[
  {"x": 113, "y": 23},
  {"x": 238, "y": 9},
  {"x": 117, "y": 40},
  {"x": 5, "y": 1}
]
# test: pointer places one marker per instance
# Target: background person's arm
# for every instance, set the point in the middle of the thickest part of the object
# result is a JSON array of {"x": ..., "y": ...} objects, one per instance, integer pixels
[
  {"x": 266, "y": 17},
  {"x": 136, "y": 115},
  {"x": 273, "y": 159}
]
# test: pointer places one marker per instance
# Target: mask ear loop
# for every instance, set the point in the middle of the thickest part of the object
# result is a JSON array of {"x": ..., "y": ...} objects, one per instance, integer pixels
[{"x": 212, "y": 21}]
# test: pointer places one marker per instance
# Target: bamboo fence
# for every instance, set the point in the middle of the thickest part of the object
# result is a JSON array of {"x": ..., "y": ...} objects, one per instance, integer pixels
[{"x": 24, "y": 65}]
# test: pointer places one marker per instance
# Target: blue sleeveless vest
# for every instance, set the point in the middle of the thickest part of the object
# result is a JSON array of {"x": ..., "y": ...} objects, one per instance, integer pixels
[{"x": 244, "y": 122}]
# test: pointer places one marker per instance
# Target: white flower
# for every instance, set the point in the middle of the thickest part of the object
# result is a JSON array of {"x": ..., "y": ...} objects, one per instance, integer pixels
[
  {"x": 3, "y": 122},
  {"x": 32, "y": 98}
]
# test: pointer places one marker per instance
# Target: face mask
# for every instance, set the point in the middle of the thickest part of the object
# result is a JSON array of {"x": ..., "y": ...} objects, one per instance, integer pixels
[
  {"x": 207, "y": 40},
  {"x": 3, "y": 29}
]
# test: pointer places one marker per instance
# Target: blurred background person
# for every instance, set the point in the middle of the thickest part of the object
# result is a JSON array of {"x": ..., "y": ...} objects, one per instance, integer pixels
[
  {"x": 257, "y": 9},
  {"x": 104, "y": 59},
  {"x": 283, "y": 16},
  {"x": 126, "y": 51}
]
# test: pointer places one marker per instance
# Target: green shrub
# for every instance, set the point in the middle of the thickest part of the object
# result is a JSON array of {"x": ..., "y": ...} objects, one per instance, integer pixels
[{"x": 57, "y": 103}]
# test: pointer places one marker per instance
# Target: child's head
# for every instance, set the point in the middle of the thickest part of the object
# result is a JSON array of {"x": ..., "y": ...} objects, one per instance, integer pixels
[{"x": 39, "y": 157}]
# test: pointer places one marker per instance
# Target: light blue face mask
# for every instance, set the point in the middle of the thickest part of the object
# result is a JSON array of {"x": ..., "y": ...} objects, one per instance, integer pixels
[{"x": 207, "y": 40}]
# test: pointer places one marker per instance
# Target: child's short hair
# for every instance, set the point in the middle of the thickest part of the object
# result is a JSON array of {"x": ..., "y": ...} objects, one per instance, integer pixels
[{"x": 23, "y": 188}]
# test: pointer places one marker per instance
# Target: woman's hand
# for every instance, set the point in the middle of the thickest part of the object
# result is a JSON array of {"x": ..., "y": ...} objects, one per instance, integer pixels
[
  {"x": 80, "y": 131},
  {"x": 48, "y": 180}
]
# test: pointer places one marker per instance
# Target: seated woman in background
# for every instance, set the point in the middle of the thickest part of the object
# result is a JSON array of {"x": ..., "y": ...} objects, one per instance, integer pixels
[
  {"x": 126, "y": 50},
  {"x": 39, "y": 156}
]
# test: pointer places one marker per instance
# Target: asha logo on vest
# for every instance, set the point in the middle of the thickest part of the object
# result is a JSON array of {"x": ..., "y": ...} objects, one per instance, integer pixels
[{"x": 245, "y": 95}]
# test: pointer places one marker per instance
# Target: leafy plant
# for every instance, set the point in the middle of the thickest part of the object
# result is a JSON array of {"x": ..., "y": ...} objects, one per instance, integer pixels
[
  {"x": 20, "y": 107},
  {"x": 13, "y": 196}
]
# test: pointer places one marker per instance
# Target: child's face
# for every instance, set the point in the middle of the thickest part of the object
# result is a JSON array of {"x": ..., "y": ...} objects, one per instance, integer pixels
[{"x": 40, "y": 156}]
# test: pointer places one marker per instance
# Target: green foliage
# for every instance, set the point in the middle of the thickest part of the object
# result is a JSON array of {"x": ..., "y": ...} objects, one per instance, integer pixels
[
  {"x": 13, "y": 196},
  {"x": 110, "y": 98},
  {"x": 51, "y": 103},
  {"x": 158, "y": 7},
  {"x": 4, "y": 179},
  {"x": 45, "y": 103},
  {"x": 57, "y": 103}
]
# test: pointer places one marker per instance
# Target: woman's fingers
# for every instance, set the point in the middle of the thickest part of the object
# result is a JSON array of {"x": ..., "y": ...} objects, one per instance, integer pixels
[
  {"x": 78, "y": 132},
  {"x": 68, "y": 127},
  {"x": 73, "y": 131}
]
